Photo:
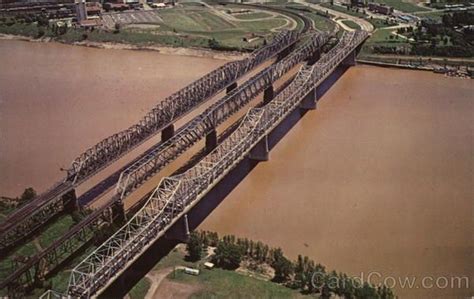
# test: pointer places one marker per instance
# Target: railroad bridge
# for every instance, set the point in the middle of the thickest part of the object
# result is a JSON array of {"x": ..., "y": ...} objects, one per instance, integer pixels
[{"x": 164, "y": 213}]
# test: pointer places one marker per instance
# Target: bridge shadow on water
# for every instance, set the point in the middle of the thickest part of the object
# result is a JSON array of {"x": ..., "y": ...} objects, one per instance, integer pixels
[{"x": 145, "y": 263}]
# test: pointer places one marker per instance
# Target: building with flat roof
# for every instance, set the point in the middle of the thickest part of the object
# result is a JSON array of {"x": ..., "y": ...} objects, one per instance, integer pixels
[{"x": 380, "y": 8}]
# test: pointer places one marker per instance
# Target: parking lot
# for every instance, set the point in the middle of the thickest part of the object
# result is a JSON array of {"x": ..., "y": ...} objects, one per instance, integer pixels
[{"x": 131, "y": 17}]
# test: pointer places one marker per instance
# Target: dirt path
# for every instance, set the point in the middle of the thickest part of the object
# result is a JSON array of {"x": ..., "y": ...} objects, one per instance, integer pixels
[
  {"x": 37, "y": 244},
  {"x": 156, "y": 278}
]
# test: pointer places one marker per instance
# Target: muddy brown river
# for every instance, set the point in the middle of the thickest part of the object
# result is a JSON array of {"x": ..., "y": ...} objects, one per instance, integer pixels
[{"x": 378, "y": 180}]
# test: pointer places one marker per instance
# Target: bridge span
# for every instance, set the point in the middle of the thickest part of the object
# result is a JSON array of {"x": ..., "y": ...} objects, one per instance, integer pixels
[
  {"x": 61, "y": 196},
  {"x": 202, "y": 126},
  {"x": 175, "y": 196}
]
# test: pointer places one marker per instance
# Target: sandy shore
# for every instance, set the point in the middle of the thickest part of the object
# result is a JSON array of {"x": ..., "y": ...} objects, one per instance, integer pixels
[{"x": 194, "y": 52}]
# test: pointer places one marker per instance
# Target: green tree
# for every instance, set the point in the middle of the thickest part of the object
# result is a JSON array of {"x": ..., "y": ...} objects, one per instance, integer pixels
[
  {"x": 194, "y": 247},
  {"x": 213, "y": 43},
  {"x": 283, "y": 267},
  {"x": 27, "y": 195},
  {"x": 228, "y": 255}
]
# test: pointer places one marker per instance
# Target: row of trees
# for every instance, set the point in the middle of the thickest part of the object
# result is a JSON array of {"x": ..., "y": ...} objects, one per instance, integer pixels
[{"x": 303, "y": 274}]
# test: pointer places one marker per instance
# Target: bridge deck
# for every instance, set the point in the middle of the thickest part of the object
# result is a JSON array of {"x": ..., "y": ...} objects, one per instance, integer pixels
[{"x": 176, "y": 195}]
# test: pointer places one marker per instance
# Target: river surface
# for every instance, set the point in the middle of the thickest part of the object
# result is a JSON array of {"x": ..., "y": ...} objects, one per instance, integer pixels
[
  {"x": 58, "y": 100},
  {"x": 377, "y": 180}
]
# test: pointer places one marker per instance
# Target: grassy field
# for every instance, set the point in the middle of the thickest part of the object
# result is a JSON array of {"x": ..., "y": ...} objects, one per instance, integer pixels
[
  {"x": 378, "y": 23},
  {"x": 55, "y": 230},
  {"x": 204, "y": 24},
  {"x": 191, "y": 25},
  {"x": 252, "y": 16},
  {"x": 351, "y": 24},
  {"x": 435, "y": 15},
  {"x": 321, "y": 22},
  {"x": 140, "y": 289},
  {"x": 343, "y": 10},
  {"x": 219, "y": 283},
  {"x": 402, "y": 6},
  {"x": 381, "y": 37}
]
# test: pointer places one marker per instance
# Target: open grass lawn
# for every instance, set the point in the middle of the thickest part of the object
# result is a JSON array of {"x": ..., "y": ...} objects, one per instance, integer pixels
[
  {"x": 435, "y": 15},
  {"x": 218, "y": 283},
  {"x": 381, "y": 37},
  {"x": 343, "y": 10},
  {"x": 320, "y": 22},
  {"x": 55, "y": 230},
  {"x": 379, "y": 23},
  {"x": 252, "y": 15},
  {"x": 174, "y": 258},
  {"x": 351, "y": 24},
  {"x": 402, "y": 6},
  {"x": 140, "y": 289},
  {"x": 198, "y": 25}
]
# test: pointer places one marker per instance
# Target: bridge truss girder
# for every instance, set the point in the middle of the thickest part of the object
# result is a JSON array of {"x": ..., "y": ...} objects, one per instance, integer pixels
[
  {"x": 175, "y": 195},
  {"x": 205, "y": 123},
  {"x": 171, "y": 109}
]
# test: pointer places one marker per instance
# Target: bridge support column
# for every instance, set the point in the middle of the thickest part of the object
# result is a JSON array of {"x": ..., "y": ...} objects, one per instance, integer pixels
[
  {"x": 260, "y": 150},
  {"x": 350, "y": 59},
  {"x": 211, "y": 140},
  {"x": 70, "y": 202},
  {"x": 231, "y": 87},
  {"x": 310, "y": 100},
  {"x": 285, "y": 52},
  {"x": 118, "y": 213},
  {"x": 268, "y": 94},
  {"x": 314, "y": 57},
  {"x": 167, "y": 133},
  {"x": 180, "y": 230}
]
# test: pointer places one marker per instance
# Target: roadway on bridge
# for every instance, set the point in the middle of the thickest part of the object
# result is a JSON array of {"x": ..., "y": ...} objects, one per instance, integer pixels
[{"x": 103, "y": 184}]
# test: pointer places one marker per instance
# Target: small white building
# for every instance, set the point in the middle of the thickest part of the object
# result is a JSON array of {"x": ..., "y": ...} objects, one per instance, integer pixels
[{"x": 191, "y": 271}]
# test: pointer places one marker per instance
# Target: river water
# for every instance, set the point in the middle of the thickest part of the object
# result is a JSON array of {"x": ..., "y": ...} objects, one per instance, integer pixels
[
  {"x": 58, "y": 100},
  {"x": 377, "y": 180}
]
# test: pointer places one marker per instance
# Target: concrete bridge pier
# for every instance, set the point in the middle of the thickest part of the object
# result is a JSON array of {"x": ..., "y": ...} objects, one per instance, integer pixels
[
  {"x": 285, "y": 52},
  {"x": 211, "y": 140},
  {"x": 268, "y": 94},
  {"x": 167, "y": 133},
  {"x": 350, "y": 59},
  {"x": 70, "y": 202},
  {"x": 180, "y": 230},
  {"x": 314, "y": 57},
  {"x": 309, "y": 102},
  {"x": 231, "y": 87},
  {"x": 260, "y": 152},
  {"x": 118, "y": 213}
]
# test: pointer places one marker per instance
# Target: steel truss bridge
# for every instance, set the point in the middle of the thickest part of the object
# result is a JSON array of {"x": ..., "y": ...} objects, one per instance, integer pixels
[
  {"x": 164, "y": 153},
  {"x": 61, "y": 196},
  {"x": 176, "y": 195}
]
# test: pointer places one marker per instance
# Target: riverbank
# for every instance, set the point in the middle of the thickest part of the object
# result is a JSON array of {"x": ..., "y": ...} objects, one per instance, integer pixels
[
  {"x": 181, "y": 51},
  {"x": 460, "y": 72}
]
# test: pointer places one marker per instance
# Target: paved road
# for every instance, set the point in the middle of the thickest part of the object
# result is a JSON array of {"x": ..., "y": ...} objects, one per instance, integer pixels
[{"x": 364, "y": 24}]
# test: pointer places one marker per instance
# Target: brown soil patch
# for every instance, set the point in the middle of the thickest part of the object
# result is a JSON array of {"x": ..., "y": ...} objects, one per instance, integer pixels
[{"x": 173, "y": 289}]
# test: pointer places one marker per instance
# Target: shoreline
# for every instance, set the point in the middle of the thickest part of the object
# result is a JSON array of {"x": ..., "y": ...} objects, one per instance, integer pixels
[
  {"x": 165, "y": 50},
  {"x": 432, "y": 69}
]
